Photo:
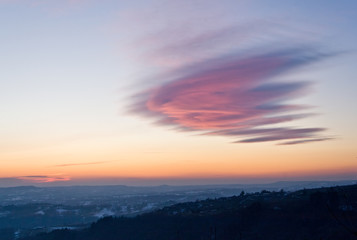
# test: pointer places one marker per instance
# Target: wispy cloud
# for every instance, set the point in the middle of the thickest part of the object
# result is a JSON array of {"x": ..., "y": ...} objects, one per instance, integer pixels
[
  {"x": 306, "y": 141},
  {"x": 81, "y": 164},
  {"x": 44, "y": 178},
  {"x": 234, "y": 93}
]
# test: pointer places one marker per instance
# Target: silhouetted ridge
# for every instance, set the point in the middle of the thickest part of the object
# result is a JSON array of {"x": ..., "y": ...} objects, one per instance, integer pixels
[{"x": 324, "y": 213}]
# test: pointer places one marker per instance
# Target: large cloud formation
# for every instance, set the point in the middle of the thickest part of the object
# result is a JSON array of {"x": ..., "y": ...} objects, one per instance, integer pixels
[{"x": 236, "y": 94}]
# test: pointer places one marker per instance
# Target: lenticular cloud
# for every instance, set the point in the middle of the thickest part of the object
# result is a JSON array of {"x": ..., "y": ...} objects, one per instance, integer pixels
[{"x": 236, "y": 95}]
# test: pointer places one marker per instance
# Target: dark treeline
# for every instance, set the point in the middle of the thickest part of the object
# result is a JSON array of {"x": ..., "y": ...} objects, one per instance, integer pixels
[{"x": 325, "y": 213}]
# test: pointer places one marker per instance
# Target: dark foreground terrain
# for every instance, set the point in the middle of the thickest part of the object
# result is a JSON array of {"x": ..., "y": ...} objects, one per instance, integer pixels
[
  {"x": 28, "y": 210},
  {"x": 321, "y": 214}
]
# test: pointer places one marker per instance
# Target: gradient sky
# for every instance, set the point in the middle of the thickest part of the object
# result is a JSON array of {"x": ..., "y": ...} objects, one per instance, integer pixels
[{"x": 177, "y": 92}]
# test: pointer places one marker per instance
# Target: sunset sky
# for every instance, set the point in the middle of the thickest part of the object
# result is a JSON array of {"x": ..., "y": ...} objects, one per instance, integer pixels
[{"x": 177, "y": 92}]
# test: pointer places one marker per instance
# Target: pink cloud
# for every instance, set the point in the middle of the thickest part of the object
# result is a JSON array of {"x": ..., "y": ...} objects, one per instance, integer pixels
[
  {"x": 44, "y": 179},
  {"x": 235, "y": 95}
]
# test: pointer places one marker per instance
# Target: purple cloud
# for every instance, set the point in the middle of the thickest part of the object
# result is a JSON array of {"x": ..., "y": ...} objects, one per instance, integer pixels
[{"x": 306, "y": 141}]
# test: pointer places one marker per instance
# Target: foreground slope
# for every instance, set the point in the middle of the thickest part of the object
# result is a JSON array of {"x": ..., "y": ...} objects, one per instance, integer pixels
[{"x": 324, "y": 213}]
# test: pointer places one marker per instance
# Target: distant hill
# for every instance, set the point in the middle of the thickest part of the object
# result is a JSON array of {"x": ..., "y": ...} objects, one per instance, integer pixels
[
  {"x": 323, "y": 213},
  {"x": 76, "y": 195}
]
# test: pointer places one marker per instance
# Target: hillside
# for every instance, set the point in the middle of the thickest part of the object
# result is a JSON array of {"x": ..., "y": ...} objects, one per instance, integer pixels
[{"x": 324, "y": 213}]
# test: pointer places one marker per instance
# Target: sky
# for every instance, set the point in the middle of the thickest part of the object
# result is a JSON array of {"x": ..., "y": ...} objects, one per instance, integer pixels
[{"x": 177, "y": 92}]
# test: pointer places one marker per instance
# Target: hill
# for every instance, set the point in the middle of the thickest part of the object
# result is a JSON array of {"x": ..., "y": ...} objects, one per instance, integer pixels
[{"x": 323, "y": 213}]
